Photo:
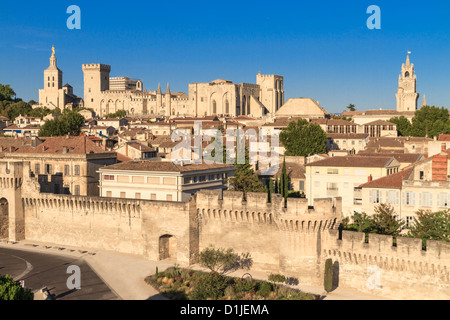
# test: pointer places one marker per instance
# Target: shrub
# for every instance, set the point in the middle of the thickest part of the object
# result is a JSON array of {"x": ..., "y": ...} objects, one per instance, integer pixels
[
  {"x": 277, "y": 278},
  {"x": 12, "y": 290},
  {"x": 264, "y": 289},
  {"x": 244, "y": 285},
  {"x": 211, "y": 285},
  {"x": 328, "y": 277}
]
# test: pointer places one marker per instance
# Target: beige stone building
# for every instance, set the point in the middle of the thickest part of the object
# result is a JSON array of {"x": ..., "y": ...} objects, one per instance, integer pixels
[
  {"x": 55, "y": 95},
  {"x": 339, "y": 176},
  {"x": 424, "y": 185},
  {"x": 352, "y": 142},
  {"x": 161, "y": 180},
  {"x": 63, "y": 165}
]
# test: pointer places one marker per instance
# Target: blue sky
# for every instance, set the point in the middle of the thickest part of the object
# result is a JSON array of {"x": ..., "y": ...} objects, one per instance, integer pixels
[{"x": 323, "y": 49}]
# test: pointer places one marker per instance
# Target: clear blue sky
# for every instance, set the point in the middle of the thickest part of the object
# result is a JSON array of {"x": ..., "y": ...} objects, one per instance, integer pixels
[{"x": 323, "y": 49}]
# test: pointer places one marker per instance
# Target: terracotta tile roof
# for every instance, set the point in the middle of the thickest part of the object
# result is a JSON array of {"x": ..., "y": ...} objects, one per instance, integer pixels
[
  {"x": 393, "y": 181},
  {"x": 444, "y": 137},
  {"x": 140, "y": 147},
  {"x": 353, "y": 161},
  {"x": 293, "y": 169},
  {"x": 75, "y": 145},
  {"x": 164, "y": 166},
  {"x": 400, "y": 157}
]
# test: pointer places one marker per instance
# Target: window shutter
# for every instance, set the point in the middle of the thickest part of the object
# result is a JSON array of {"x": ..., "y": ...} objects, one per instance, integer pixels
[
  {"x": 420, "y": 199},
  {"x": 403, "y": 198},
  {"x": 413, "y": 198},
  {"x": 370, "y": 196}
]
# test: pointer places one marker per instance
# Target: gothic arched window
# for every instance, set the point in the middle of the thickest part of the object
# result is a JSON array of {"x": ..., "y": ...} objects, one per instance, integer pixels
[
  {"x": 214, "y": 107},
  {"x": 407, "y": 74}
]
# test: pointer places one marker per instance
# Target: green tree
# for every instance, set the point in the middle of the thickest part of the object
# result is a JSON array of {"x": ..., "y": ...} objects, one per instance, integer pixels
[
  {"x": 270, "y": 189},
  {"x": 12, "y": 290},
  {"x": 361, "y": 223},
  {"x": 328, "y": 275},
  {"x": 69, "y": 123},
  {"x": 385, "y": 221},
  {"x": 223, "y": 261},
  {"x": 430, "y": 121},
  {"x": 431, "y": 226},
  {"x": 404, "y": 126},
  {"x": 245, "y": 179},
  {"x": 284, "y": 181},
  {"x": 351, "y": 107},
  {"x": 302, "y": 138},
  {"x": 118, "y": 114},
  {"x": 6, "y": 92}
]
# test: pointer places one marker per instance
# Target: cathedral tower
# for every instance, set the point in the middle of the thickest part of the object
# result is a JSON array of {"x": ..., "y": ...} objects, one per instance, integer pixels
[{"x": 406, "y": 95}]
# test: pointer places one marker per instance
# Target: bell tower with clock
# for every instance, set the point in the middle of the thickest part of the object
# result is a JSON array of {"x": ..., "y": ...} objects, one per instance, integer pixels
[{"x": 407, "y": 96}]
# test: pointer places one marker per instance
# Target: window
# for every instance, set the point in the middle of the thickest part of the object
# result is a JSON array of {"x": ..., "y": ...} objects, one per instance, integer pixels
[
  {"x": 332, "y": 186},
  {"x": 409, "y": 198},
  {"x": 109, "y": 194},
  {"x": 421, "y": 175},
  {"x": 211, "y": 177},
  {"x": 317, "y": 170},
  {"x": 123, "y": 194},
  {"x": 77, "y": 190},
  {"x": 187, "y": 180},
  {"x": 392, "y": 197},
  {"x": 375, "y": 196},
  {"x": 108, "y": 178},
  {"x": 333, "y": 171},
  {"x": 37, "y": 169},
  {"x": 227, "y": 107},
  {"x": 214, "y": 107},
  {"x": 169, "y": 197},
  {"x": 48, "y": 169},
  {"x": 202, "y": 179},
  {"x": 302, "y": 186},
  {"x": 426, "y": 199},
  {"x": 77, "y": 170},
  {"x": 153, "y": 196},
  {"x": 138, "y": 195},
  {"x": 66, "y": 170}
]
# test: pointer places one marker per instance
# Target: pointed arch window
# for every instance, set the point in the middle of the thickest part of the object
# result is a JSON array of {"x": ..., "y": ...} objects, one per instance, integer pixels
[
  {"x": 407, "y": 74},
  {"x": 214, "y": 107}
]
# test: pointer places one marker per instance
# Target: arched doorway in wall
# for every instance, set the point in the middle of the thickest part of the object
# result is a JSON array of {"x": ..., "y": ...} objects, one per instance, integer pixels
[
  {"x": 167, "y": 247},
  {"x": 4, "y": 219}
]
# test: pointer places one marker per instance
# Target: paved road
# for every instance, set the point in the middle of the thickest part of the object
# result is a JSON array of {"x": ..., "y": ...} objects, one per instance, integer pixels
[{"x": 40, "y": 270}]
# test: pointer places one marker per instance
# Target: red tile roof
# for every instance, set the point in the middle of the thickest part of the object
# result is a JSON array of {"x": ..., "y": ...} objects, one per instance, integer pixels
[
  {"x": 164, "y": 166},
  {"x": 75, "y": 145},
  {"x": 393, "y": 181}
]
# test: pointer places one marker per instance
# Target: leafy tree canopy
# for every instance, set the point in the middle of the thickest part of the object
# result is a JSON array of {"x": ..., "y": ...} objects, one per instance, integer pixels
[
  {"x": 302, "y": 138},
  {"x": 431, "y": 226},
  {"x": 69, "y": 123}
]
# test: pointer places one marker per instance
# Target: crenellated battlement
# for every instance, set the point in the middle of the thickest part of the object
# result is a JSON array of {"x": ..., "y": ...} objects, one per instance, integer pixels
[
  {"x": 379, "y": 250},
  {"x": 96, "y": 66},
  {"x": 295, "y": 217}
]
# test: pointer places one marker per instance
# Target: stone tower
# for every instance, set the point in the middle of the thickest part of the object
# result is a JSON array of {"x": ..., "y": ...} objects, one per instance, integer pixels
[
  {"x": 96, "y": 80},
  {"x": 407, "y": 96},
  {"x": 168, "y": 99},
  {"x": 50, "y": 96},
  {"x": 271, "y": 91}
]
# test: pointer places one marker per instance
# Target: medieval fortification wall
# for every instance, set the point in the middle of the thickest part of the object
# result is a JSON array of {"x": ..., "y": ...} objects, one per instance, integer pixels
[{"x": 294, "y": 240}]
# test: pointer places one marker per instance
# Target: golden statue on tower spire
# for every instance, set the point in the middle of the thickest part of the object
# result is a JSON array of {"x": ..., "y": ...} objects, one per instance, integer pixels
[{"x": 53, "y": 51}]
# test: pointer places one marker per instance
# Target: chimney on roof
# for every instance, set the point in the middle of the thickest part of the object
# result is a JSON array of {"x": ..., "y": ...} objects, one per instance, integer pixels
[
  {"x": 444, "y": 146},
  {"x": 67, "y": 136},
  {"x": 370, "y": 178}
]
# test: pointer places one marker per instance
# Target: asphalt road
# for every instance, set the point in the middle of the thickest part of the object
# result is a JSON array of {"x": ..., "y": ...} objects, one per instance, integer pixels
[{"x": 40, "y": 270}]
